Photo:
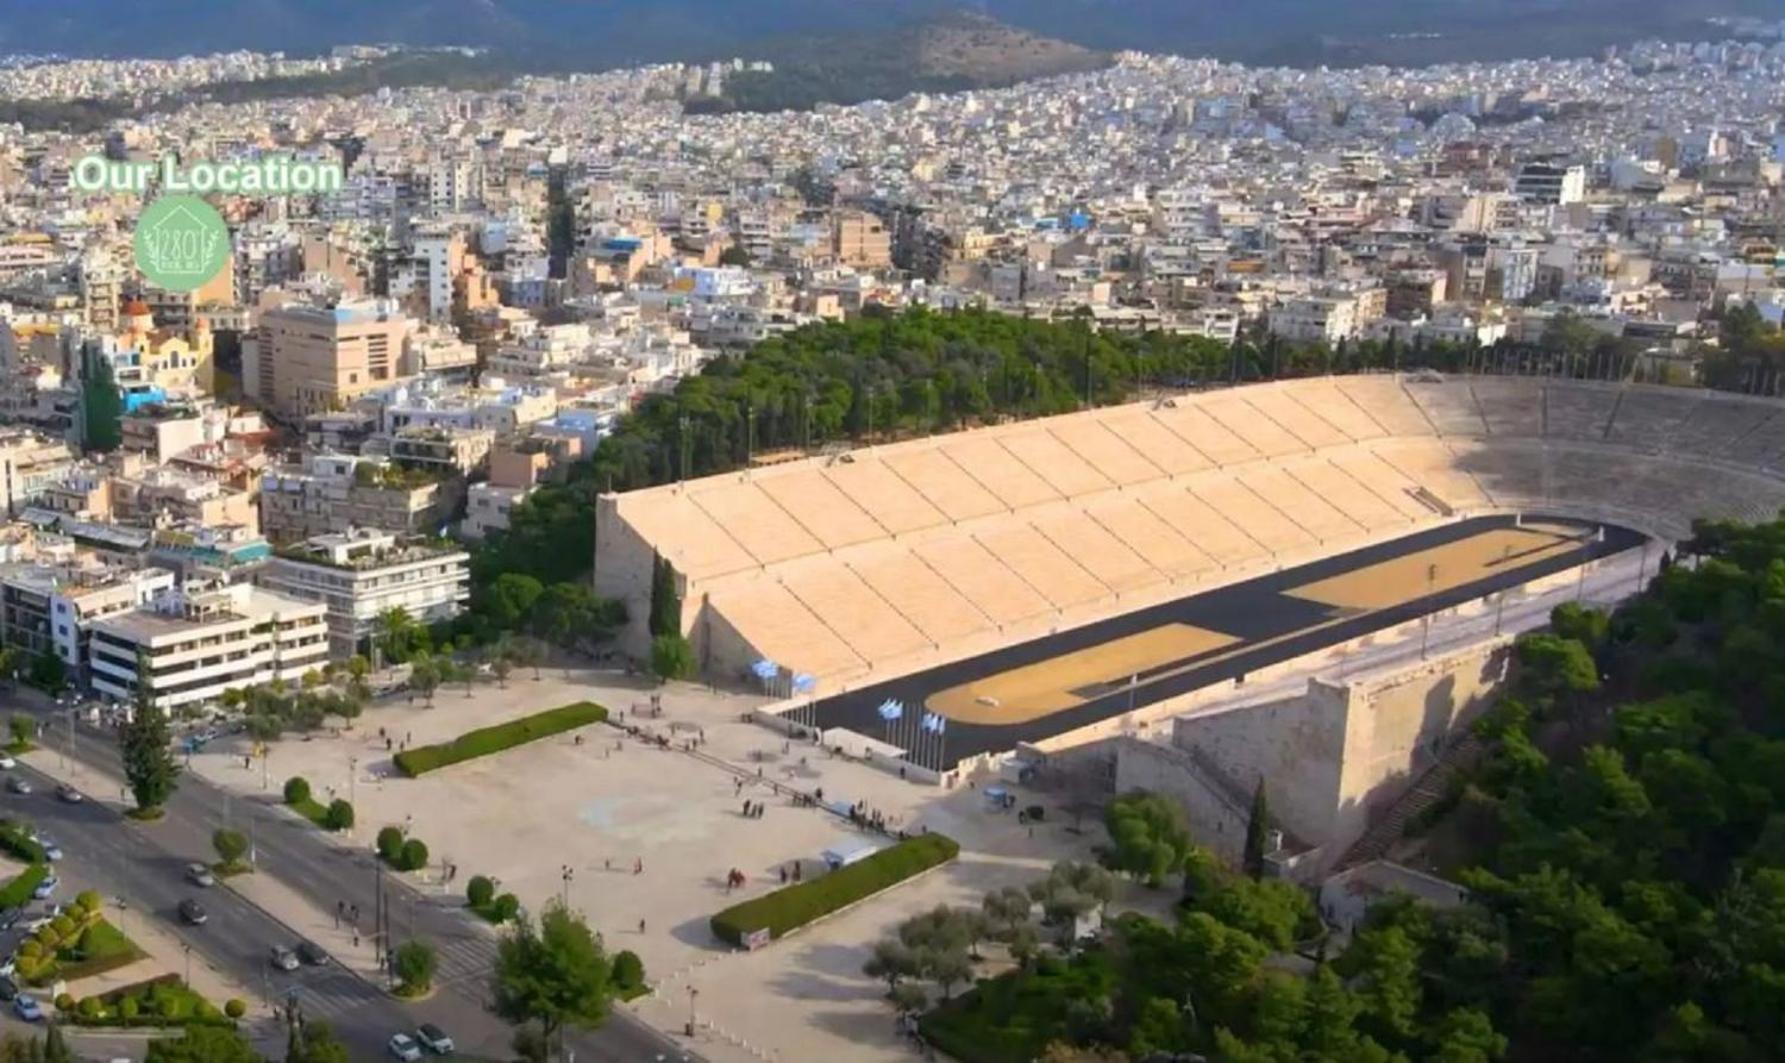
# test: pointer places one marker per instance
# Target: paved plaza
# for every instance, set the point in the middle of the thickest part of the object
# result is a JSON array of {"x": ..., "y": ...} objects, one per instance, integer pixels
[{"x": 649, "y": 834}]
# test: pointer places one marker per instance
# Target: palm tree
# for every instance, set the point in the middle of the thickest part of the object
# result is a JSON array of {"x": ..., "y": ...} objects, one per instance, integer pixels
[{"x": 395, "y": 627}]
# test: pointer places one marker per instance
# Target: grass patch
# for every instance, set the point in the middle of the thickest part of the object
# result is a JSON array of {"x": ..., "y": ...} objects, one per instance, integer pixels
[
  {"x": 145, "y": 815},
  {"x": 794, "y": 906},
  {"x": 19, "y": 748},
  {"x": 487, "y": 740},
  {"x": 625, "y": 993},
  {"x": 99, "y": 948},
  {"x": 17, "y": 893},
  {"x": 231, "y": 868}
]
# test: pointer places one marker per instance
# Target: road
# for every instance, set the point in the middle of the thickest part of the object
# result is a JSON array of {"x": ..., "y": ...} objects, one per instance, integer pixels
[{"x": 143, "y": 863}]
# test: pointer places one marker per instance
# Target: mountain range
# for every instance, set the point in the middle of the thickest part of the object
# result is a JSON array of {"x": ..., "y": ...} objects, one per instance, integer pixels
[{"x": 605, "y": 33}]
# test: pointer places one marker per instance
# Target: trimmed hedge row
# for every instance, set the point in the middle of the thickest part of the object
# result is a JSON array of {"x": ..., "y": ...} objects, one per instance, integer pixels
[
  {"x": 16, "y": 841},
  {"x": 794, "y": 906},
  {"x": 486, "y": 740}
]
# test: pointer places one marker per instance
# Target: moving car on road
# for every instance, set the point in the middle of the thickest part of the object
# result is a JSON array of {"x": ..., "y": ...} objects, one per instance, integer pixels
[
  {"x": 404, "y": 1047},
  {"x": 311, "y": 953},
  {"x": 7, "y": 763},
  {"x": 193, "y": 912},
  {"x": 26, "y": 1008},
  {"x": 434, "y": 1039},
  {"x": 283, "y": 959},
  {"x": 68, "y": 794},
  {"x": 199, "y": 875},
  {"x": 17, "y": 785}
]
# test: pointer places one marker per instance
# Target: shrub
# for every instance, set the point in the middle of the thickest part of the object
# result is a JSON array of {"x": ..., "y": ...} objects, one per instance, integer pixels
[
  {"x": 30, "y": 950},
  {"x": 90, "y": 900},
  {"x": 49, "y": 939},
  {"x": 629, "y": 970},
  {"x": 415, "y": 965},
  {"x": 487, "y": 740},
  {"x": 62, "y": 925},
  {"x": 505, "y": 908},
  {"x": 65, "y": 1002},
  {"x": 297, "y": 790},
  {"x": 235, "y": 1008},
  {"x": 339, "y": 815},
  {"x": 479, "y": 891},
  {"x": 90, "y": 1007},
  {"x": 414, "y": 856},
  {"x": 128, "y": 1008},
  {"x": 794, "y": 906},
  {"x": 390, "y": 844}
]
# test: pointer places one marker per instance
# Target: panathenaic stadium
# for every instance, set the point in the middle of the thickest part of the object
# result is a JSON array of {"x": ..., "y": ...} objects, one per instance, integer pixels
[{"x": 1029, "y": 580}]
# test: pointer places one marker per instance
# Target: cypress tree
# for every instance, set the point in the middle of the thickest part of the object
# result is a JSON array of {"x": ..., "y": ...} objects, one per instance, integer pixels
[
  {"x": 1258, "y": 824},
  {"x": 666, "y": 603}
]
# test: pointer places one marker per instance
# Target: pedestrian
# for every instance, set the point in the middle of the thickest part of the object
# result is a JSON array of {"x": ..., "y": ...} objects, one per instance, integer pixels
[
  {"x": 607, "y": 863},
  {"x": 783, "y": 874},
  {"x": 356, "y": 939},
  {"x": 638, "y": 865},
  {"x": 641, "y": 926},
  {"x": 387, "y": 744},
  {"x": 408, "y": 737}
]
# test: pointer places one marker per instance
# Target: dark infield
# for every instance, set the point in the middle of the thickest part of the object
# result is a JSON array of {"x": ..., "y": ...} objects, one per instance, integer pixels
[{"x": 1255, "y": 611}]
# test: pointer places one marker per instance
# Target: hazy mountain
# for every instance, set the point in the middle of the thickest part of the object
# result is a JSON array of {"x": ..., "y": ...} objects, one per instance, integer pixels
[{"x": 609, "y": 32}]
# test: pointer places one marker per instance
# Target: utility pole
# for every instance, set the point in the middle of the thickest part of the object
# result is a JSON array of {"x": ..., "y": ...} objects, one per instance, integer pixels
[{"x": 1425, "y": 637}]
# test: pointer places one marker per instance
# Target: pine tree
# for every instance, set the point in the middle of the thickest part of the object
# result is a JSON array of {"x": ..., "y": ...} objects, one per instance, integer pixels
[
  {"x": 146, "y": 746},
  {"x": 1258, "y": 824}
]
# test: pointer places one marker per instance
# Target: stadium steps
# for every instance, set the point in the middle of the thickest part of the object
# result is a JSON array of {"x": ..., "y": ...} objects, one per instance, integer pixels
[
  {"x": 1425, "y": 497},
  {"x": 1427, "y": 791}
]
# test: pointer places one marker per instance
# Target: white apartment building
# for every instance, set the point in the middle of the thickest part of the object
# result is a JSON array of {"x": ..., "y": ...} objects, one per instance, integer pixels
[
  {"x": 50, "y": 609},
  {"x": 361, "y": 573},
  {"x": 197, "y": 644},
  {"x": 1320, "y": 319}
]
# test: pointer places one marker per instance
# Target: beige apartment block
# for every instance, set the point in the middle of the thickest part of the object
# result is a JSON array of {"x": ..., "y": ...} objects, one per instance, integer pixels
[{"x": 310, "y": 359}]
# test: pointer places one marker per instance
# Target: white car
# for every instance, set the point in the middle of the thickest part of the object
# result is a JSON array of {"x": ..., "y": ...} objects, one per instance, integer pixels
[
  {"x": 46, "y": 887},
  {"x": 7, "y": 763},
  {"x": 404, "y": 1047},
  {"x": 284, "y": 959}
]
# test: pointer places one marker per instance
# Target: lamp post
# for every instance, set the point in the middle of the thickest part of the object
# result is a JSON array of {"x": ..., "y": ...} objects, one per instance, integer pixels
[
  {"x": 565, "y": 875},
  {"x": 693, "y": 995},
  {"x": 1500, "y": 599},
  {"x": 353, "y": 791},
  {"x": 187, "y": 949}
]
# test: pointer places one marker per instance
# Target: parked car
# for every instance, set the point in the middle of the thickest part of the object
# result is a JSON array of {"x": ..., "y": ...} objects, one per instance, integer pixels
[
  {"x": 68, "y": 794},
  {"x": 9, "y": 917},
  {"x": 9, "y": 990},
  {"x": 26, "y": 1008},
  {"x": 200, "y": 875},
  {"x": 51, "y": 851},
  {"x": 46, "y": 887},
  {"x": 434, "y": 1039},
  {"x": 193, "y": 912},
  {"x": 311, "y": 953},
  {"x": 284, "y": 959},
  {"x": 7, "y": 763},
  {"x": 17, "y": 785},
  {"x": 404, "y": 1047}
]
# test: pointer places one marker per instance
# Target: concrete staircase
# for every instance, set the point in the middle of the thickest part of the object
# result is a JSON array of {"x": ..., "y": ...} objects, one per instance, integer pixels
[{"x": 1428, "y": 790}]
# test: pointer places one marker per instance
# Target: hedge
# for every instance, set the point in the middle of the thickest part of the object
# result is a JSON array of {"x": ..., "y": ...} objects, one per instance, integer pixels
[
  {"x": 486, "y": 740},
  {"x": 794, "y": 906},
  {"x": 16, "y": 842}
]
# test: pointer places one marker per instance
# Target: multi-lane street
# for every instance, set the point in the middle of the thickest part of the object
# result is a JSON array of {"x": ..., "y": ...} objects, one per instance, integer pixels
[{"x": 143, "y": 863}]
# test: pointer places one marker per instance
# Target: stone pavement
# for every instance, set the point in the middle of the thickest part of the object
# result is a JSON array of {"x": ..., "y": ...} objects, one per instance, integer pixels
[{"x": 631, "y": 831}]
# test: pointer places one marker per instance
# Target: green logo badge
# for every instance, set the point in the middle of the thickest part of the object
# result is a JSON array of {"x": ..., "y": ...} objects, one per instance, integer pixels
[{"x": 181, "y": 242}]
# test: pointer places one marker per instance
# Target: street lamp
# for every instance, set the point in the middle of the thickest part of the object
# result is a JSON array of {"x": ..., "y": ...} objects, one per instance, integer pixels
[
  {"x": 693, "y": 995},
  {"x": 566, "y": 874},
  {"x": 187, "y": 949},
  {"x": 1425, "y": 638}
]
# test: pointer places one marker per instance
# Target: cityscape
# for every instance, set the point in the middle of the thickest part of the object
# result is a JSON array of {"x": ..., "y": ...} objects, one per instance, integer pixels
[{"x": 893, "y": 534}]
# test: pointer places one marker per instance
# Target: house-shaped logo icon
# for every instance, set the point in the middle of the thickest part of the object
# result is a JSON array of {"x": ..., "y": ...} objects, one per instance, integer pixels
[{"x": 181, "y": 242}]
